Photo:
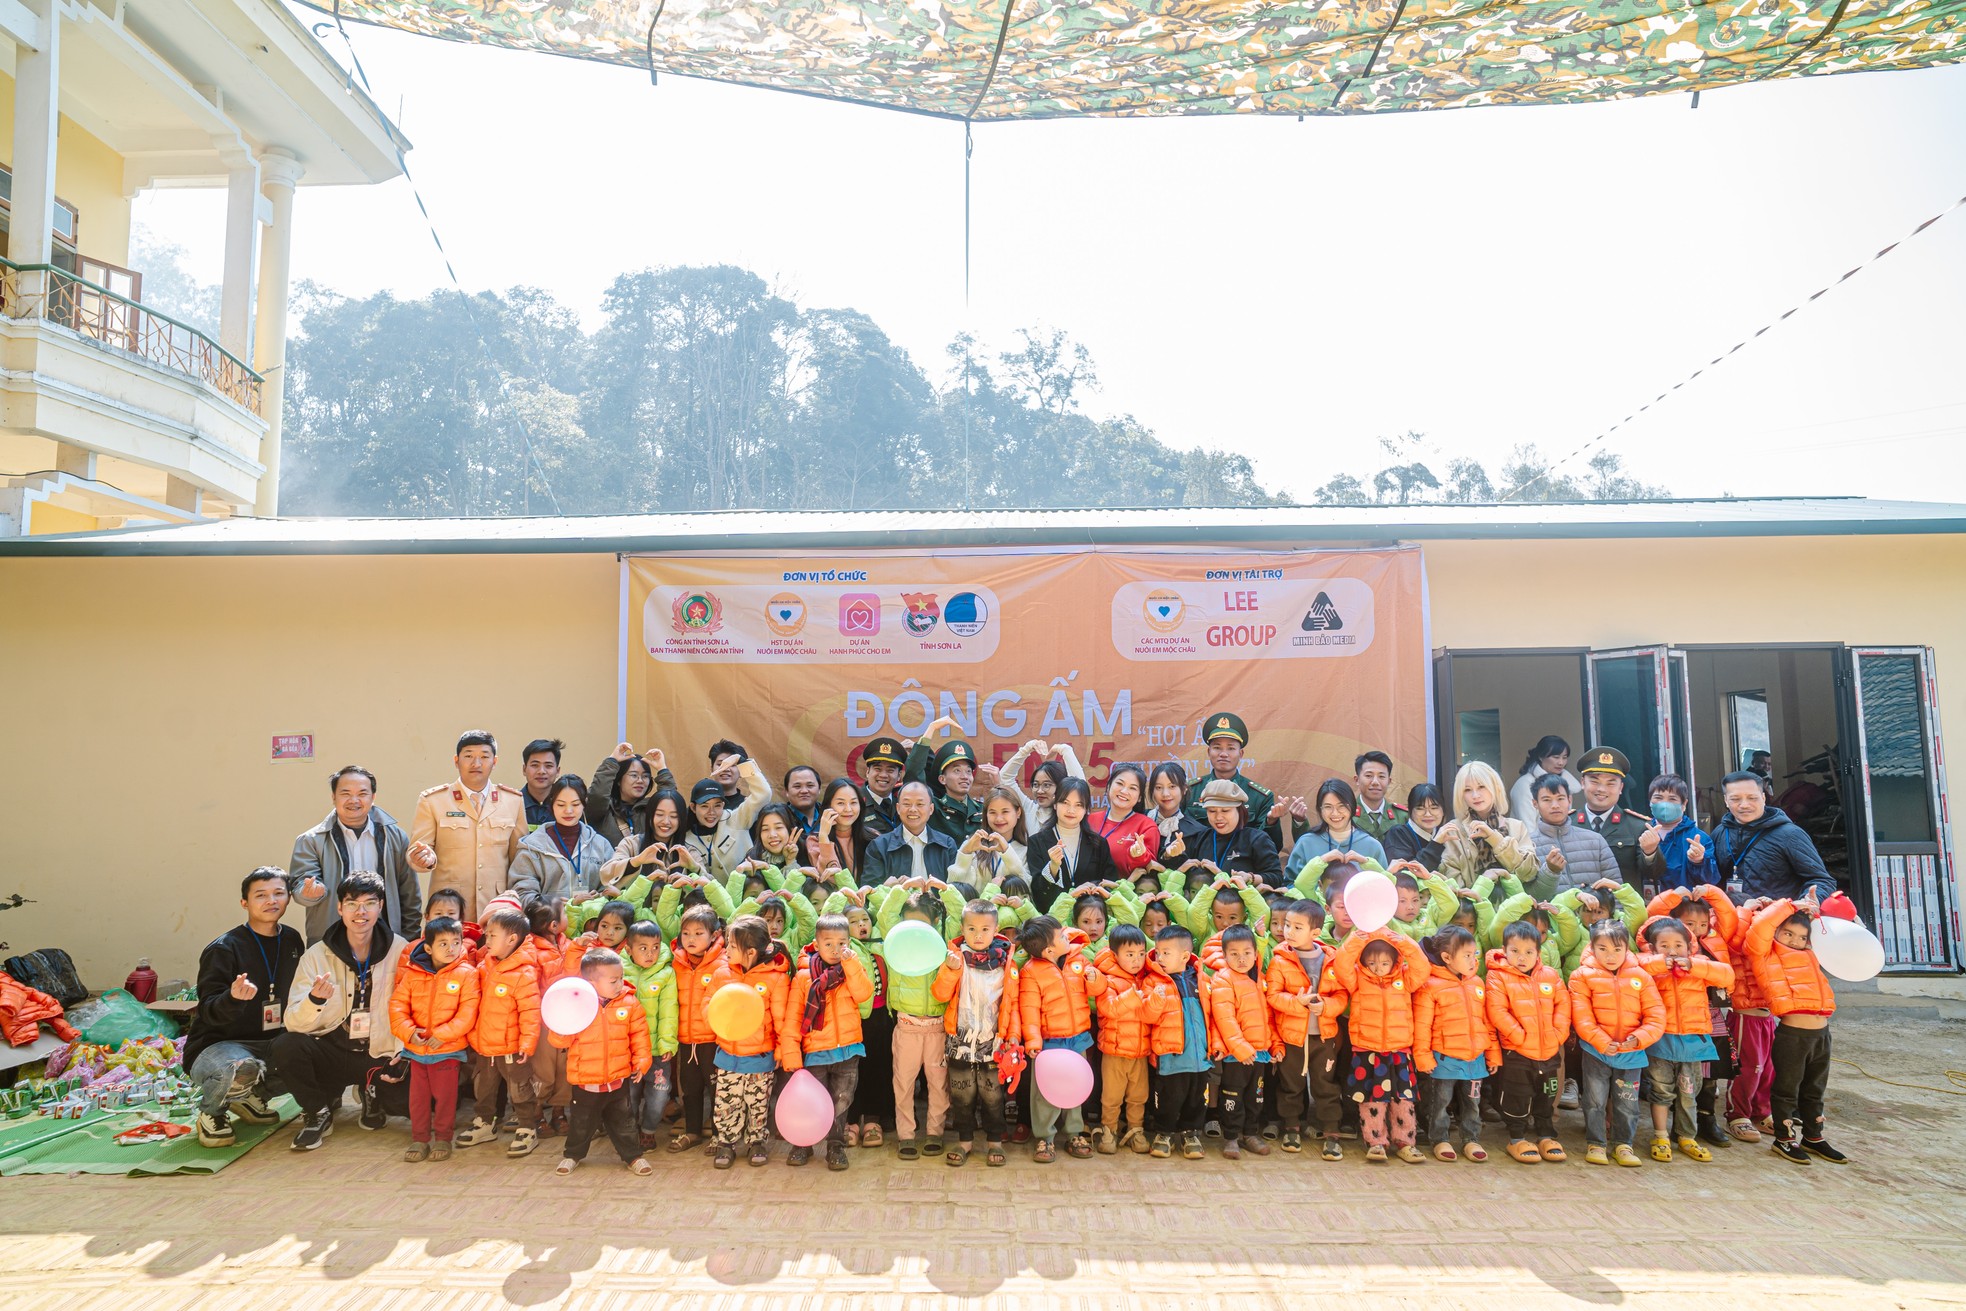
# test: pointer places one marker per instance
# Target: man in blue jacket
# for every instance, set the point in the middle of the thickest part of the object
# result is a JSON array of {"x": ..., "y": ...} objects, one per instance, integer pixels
[
  {"x": 1761, "y": 851},
  {"x": 914, "y": 850}
]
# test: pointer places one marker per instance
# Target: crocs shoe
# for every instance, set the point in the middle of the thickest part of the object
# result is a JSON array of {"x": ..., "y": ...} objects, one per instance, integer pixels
[
  {"x": 1596, "y": 1155},
  {"x": 1693, "y": 1149},
  {"x": 1624, "y": 1155},
  {"x": 1661, "y": 1151}
]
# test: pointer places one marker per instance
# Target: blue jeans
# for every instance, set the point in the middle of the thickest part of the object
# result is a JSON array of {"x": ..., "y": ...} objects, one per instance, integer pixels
[
  {"x": 652, "y": 1092},
  {"x": 227, "y": 1071},
  {"x": 1605, "y": 1087}
]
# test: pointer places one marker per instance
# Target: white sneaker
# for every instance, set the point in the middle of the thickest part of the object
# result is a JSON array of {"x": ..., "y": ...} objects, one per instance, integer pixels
[
  {"x": 480, "y": 1131},
  {"x": 214, "y": 1130}
]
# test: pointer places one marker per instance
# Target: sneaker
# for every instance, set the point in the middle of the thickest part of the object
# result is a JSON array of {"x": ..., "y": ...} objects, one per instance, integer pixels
[
  {"x": 798, "y": 1156},
  {"x": 479, "y": 1131},
  {"x": 373, "y": 1116},
  {"x": 1820, "y": 1148},
  {"x": 1107, "y": 1141},
  {"x": 314, "y": 1129},
  {"x": 1624, "y": 1155},
  {"x": 1412, "y": 1155},
  {"x": 1743, "y": 1131},
  {"x": 835, "y": 1157},
  {"x": 1692, "y": 1148},
  {"x": 440, "y": 1150},
  {"x": 522, "y": 1144},
  {"x": 725, "y": 1158},
  {"x": 1232, "y": 1149},
  {"x": 1376, "y": 1154},
  {"x": 1333, "y": 1150},
  {"x": 1135, "y": 1139},
  {"x": 416, "y": 1153},
  {"x": 1213, "y": 1129},
  {"x": 252, "y": 1108},
  {"x": 1568, "y": 1101},
  {"x": 1790, "y": 1152},
  {"x": 214, "y": 1130},
  {"x": 1254, "y": 1145},
  {"x": 1162, "y": 1148},
  {"x": 1596, "y": 1155},
  {"x": 1292, "y": 1141},
  {"x": 1191, "y": 1146},
  {"x": 1661, "y": 1150}
]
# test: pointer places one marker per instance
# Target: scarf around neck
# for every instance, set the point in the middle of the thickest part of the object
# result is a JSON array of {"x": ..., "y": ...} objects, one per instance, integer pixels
[{"x": 824, "y": 978}]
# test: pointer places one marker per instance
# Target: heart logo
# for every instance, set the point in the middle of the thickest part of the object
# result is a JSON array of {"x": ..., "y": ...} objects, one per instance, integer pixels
[
  {"x": 784, "y": 614},
  {"x": 1164, "y": 611}
]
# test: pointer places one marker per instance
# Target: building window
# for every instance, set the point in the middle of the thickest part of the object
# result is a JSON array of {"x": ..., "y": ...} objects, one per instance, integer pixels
[{"x": 68, "y": 220}]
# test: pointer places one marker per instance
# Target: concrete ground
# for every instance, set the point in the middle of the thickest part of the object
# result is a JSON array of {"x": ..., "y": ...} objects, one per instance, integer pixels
[{"x": 351, "y": 1226}]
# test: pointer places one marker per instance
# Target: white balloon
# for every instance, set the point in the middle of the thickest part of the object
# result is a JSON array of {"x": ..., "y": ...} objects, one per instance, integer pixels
[
  {"x": 569, "y": 1006},
  {"x": 1846, "y": 949},
  {"x": 1371, "y": 899}
]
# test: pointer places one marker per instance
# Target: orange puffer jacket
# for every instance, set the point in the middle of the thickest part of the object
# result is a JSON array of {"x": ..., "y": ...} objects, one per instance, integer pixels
[
  {"x": 1530, "y": 1013},
  {"x": 576, "y": 948},
  {"x": 441, "y": 1002},
  {"x": 508, "y": 1005},
  {"x": 1791, "y": 980},
  {"x": 1130, "y": 1007},
  {"x": 693, "y": 975},
  {"x": 1240, "y": 1008},
  {"x": 1054, "y": 1002},
  {"x": 1292, "y": 1018},
  {"x": 948, "y": 987},
  {"x": 1683, "y": 989},
  {"x": 772, "y": 977},
  {"x": 1746, "y": 994},
  {"x": 1615, "y": 1008},
  {"x": 1450, "y": 1017},
  {"x": 548, "y": 957},
  {"x": 1719, "y": 938},
  {"x": 614, "y": 1047},
  {"x": 839, "y": 1024},
  {"x": 23, "y": 1010},
  {"x": 1381, "y": 1006}
]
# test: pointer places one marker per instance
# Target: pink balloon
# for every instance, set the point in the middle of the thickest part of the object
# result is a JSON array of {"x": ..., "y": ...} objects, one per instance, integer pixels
[
  {"x": 1370, "y": 899},
  {"x": 1064, "y": 1077},
  {"x": 569, "y": 1006},
  {"x": 805, "y": 1110}
]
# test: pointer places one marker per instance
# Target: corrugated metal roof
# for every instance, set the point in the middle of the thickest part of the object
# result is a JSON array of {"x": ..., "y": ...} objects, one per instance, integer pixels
[{"x": 778, "y": 529}]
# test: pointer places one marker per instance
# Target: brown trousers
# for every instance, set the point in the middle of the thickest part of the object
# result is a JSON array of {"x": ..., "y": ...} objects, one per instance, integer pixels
[{"x": 1122, "y": 1079}]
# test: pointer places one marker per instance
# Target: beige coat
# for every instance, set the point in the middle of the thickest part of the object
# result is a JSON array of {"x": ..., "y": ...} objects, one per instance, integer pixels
[{"x": 474, "y": 851}]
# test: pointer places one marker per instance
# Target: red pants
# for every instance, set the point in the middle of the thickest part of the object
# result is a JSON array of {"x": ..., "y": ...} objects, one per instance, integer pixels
[
  {"x": 433, "y": 1086},
  {"x": 1754, "y": 1076}
]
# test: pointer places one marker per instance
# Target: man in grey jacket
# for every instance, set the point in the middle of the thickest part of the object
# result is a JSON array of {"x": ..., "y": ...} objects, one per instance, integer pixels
[
  {"x": 1572, "y": 855},
  {"x": 357, "y": 835}
]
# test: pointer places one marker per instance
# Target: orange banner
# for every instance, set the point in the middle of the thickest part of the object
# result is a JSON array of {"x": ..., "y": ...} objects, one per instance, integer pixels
[{"x": 1122, "y": 653}]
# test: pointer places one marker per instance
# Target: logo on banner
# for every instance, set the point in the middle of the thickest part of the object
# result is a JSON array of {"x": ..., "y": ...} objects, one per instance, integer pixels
[
  {"x": 697, "y": 612},
  {"x": 920, "y": 613},
  {"x": 966, "y": 614},
  {"x": 860, "y": 614},
  {"x": 1163, "y": 610},
  {"x": 1323, "y": 616},
  {"x": 785, "y": 614}
]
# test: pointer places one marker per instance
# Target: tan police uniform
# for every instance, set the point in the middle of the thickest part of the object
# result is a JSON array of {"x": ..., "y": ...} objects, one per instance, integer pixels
[{"x": 474, "y": 849}]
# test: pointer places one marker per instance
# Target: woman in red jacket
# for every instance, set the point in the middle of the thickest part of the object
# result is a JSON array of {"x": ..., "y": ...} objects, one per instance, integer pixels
[{"x": 1131, "y": 834}]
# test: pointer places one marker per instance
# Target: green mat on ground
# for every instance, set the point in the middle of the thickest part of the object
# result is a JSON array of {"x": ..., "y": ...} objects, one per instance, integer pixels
[{"x": 47, "y": 1146}]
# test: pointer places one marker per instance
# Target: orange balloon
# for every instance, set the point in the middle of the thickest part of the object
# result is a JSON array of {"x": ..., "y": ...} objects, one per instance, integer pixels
[{"x": 736, "y": 1012}]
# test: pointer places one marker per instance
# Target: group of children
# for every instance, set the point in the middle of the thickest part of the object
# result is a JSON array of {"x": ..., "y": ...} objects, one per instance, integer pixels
[{"x": 1215, "y": 1006}]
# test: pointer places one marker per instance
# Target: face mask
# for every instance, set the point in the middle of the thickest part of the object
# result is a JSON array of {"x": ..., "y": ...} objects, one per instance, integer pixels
[{"x": 1667, "y": 812}]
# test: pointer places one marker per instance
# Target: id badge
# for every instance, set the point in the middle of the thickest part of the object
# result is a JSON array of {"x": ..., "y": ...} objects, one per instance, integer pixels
[
  {"x": 271, "y": 1017},
  {"x": 358, "y": 1024}
]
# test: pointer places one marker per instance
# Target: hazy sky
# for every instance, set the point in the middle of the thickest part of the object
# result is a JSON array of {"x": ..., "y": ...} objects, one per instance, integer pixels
[{"x": 1291, "y": 290}]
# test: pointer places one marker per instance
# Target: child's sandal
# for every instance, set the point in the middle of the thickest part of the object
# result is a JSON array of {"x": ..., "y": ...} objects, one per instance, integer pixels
[
  {"x": 908, "y": 1151},
  {"x": 955, "y": 1155},
  {"x": 870, "y": 1135},
  {"x": 682, "y": 1142},
  {"x": 853, "y": 1135},
  {"x": 1044, "y": 1153},
  {"x": 1080, "y": 1146},
  {"x": 1445, "y": 1152},
  {"x": 1475, "y": 1152},
  {"x": 995, "y": 1156},
  {"x": 1551, "y": 1150},
  {"x": 640, "y": 1165}
]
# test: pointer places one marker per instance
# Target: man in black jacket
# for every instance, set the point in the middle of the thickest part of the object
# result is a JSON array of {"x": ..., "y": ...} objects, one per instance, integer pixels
[
  {"x": 1761, "y": 850},
  {"x": 243, "y": 977}
]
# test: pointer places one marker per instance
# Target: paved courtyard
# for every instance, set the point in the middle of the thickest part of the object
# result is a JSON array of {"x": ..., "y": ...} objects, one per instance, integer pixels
[{"x": 351, "y": 1226}]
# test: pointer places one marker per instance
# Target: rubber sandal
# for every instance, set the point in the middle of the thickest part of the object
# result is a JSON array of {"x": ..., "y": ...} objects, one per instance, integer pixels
[
  {"x": 760, "y": 1154},
  {"x": 1445, "y": 1152},
  {"x": 1079, "y": 1146},
  {"x": 682, "y": 1142},
  {"x": 640, "y": 1165},
  {"x": 853, "y": 1135},
  {"x": 1525, "y": 1152},
  {"x": 955, "y": 1155},
  {"x": 1044, "y": 1153},
  {"x": 994, "y": 1155},
  {"x": 1552, "y": 1151},
  {"x": 566, "y": 1166},
  {"x": 870, "y": 1135},
  {"x": 1475, "y": 1152},
  {"x": 909, "y": 1152}
]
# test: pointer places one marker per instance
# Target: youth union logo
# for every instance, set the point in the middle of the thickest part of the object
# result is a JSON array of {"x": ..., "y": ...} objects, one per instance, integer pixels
[
  {"x": 697, "y": 612},
  {"x": 785, "y": 614},
  {"x": 966, "y": 614},
  {"x": 920, "y": 612},
  {"x": 1163, "y": 610}
]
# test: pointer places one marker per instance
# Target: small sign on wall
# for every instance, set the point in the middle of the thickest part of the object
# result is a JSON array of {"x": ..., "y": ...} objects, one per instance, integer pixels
[{"x": 293, "y": 746}]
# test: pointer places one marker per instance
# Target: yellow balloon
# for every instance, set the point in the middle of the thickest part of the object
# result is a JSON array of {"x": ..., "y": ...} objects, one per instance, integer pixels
[{"x": 736, "y": 1012}]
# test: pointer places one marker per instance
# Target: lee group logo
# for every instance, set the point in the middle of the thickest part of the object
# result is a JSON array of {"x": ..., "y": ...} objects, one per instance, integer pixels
[{"x": 860, "y": 614}]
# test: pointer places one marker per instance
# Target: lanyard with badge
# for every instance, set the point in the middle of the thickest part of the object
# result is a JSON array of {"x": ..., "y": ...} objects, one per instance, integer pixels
[
  {"x": 358, "y": 1013},
  {"x": 271, "y": 1016}
]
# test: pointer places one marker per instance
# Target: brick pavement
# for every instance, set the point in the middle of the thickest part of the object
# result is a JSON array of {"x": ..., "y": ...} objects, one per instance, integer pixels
[{"x": 351, "y": 1227}]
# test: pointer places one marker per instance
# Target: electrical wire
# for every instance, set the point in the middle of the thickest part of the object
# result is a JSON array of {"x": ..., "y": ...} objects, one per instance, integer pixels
[{"x": 1957, "y": 1078}]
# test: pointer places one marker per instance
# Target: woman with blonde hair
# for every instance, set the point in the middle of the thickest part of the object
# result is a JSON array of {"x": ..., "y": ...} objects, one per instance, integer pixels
[{"x": 1481, "y": 836}]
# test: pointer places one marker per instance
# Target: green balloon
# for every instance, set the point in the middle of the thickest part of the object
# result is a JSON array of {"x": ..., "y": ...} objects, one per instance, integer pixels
[{"x": 913, "y": 948}]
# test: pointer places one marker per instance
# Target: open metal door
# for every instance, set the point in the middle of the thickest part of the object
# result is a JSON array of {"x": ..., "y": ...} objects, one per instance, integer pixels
[
  {"x": 1629, "y": 699},
  {"x": 1898, "y": 809},
  {"x": 1447, "y": 737}
]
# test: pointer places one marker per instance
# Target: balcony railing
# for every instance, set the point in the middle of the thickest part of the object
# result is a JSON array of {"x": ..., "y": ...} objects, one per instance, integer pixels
[{"x": 117, "y": 321}]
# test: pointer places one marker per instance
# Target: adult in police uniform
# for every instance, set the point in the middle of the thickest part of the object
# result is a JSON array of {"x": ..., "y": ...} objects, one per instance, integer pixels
[
  {"x": 467, "y": 832},
  {"x": 957, "y": 816},
  {"x": 1226, "y": 735},
  {"x": 883, "y": 765},
  {"x": 1603, "y": 773}
]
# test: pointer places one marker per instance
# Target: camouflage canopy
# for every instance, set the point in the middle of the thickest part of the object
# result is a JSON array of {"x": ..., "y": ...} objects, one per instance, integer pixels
[{"x": 1004, "y": 59}]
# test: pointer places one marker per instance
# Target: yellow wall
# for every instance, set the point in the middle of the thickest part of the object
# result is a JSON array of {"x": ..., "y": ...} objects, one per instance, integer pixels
[
  {"x": 144, "y": 692},
  {"x": 144, "y": 695},
  {"x": 88, "y": 175}
]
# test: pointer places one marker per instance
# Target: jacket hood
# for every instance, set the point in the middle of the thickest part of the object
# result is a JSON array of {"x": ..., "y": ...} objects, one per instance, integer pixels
[
  {"x": 1449, "y": 976},
  {"x": 1773, "y": 817},
  {"x": 1108, "y": 962},
  {"x": 336, "y": 941},
  {"x": 662, "y": 962}
]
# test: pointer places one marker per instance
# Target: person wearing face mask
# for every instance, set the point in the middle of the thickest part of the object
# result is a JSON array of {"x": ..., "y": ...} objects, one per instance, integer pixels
[
  {"x": 1605, "y": 770},
  {"x": 1673, "y": 852}
]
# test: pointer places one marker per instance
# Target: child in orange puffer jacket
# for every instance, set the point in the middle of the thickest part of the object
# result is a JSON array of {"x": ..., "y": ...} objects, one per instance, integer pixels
[
  {"x": 1137, "y": 994},
  {"x": 1780, "y": 951},
  {"x": 1617, "y": 1013},
  {"x": 822, "y": 1027},
  {"x": 1677, "y": 1061},
  {"x": 603, "y": 1060},
  {"x": 1380, "y": 972},
  {"x": 1055, "y": 989},
  {"x": 506, "y": 1033},
  {"x": 1239, "y": 1005},
  {"x": 1710, "y": 920},
  {"x": 431, "y": 1011},
  {"x": 1529, "y": 1010},
  {"x": 1452, "y": 1043}
]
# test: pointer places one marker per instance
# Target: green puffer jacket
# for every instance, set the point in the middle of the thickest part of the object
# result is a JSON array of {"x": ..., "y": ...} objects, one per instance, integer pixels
[{"x": 655, "y": 989}]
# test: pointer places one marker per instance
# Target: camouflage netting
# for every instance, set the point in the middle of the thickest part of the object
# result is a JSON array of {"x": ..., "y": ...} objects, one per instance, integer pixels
[{"x": 970, "y": 59}]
